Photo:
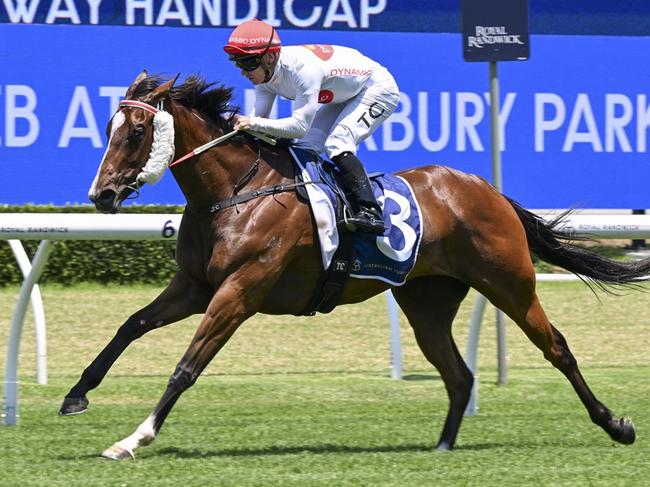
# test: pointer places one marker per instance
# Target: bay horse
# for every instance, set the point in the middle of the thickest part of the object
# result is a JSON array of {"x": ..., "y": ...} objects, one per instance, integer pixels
[{"x": 262, "y": 255}]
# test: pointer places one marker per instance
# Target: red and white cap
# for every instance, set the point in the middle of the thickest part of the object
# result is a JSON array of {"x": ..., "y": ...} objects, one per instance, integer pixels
[{"x": 253, "y": 37}]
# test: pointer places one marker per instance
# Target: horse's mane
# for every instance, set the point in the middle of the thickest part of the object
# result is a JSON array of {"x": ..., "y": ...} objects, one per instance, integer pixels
[{"x": 212, "y": 100}]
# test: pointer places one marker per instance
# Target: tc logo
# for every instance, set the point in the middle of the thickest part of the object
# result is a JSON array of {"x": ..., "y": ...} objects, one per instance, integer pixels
[{"x": 375, "y": 111}]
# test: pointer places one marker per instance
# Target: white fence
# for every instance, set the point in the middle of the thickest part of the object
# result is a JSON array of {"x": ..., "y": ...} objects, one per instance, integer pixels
[{"x": 49, "y": 227}]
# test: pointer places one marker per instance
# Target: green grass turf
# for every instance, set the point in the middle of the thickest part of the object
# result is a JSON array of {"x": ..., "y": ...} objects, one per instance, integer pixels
[
  {"x": 332, "y": 430},
  {"x": 309, "y": 401}
]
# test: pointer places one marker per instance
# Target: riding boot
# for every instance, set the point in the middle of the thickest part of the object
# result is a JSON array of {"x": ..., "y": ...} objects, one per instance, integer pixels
[{"x": 368, "y": 217}]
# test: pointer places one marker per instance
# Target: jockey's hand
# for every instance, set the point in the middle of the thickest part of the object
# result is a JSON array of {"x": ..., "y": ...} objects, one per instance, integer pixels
[{"x": 242, "y": 123}]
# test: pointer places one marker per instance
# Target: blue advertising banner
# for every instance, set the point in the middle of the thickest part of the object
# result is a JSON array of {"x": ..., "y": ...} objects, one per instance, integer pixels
[
  {"x": 315, "y": 14},
  {"x": 577, "y": 17},
  {"x": 574, "y": 119}
]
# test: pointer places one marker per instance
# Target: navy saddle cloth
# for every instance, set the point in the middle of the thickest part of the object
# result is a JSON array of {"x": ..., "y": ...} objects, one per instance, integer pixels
[{"x": 388, "y": 257}]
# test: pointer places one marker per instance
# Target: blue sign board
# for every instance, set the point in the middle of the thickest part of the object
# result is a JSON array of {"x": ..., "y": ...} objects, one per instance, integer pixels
[
  {"x": 575, "y": 119},
  {"x": 577, "y": 17},
  {"x": 496, "y": 30}
]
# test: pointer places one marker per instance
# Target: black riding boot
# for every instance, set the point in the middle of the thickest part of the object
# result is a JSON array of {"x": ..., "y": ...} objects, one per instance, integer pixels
[{"x": 368, "y": 217}]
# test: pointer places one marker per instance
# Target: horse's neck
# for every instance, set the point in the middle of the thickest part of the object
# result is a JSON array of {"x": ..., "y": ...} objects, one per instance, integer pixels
[{"x": 222, "y": 171}]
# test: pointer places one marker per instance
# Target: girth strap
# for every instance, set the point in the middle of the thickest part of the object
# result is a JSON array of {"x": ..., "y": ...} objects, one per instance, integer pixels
[
  {"x": 268, "y": 191},
  {"x": 333, "y": 281}
]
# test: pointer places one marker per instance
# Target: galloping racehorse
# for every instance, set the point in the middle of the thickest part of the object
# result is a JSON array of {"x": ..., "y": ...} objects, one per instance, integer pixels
[{"x": 262, "y": 255}]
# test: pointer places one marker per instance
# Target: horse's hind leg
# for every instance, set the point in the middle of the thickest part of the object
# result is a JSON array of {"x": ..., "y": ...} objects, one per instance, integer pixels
[
  {"x": 519, "y": 301},
  {"x": 430, "y": 304},
  {"x": 182, "y": 298}
]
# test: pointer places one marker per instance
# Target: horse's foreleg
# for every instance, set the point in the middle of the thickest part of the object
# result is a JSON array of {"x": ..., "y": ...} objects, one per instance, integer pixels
[
  {"x": 235, "y": 301},
  {"x": 430, "y": 304},
  {"x": 182, "y": 298}
]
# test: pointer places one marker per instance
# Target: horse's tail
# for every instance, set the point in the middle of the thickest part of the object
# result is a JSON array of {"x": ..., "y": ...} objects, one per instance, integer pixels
[{"x": 554, "y": 246}]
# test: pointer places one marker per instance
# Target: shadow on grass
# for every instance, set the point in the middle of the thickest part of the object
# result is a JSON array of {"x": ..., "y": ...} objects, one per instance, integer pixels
[
  {"x": 181, "y": 453},
  {"x": 314, "y": 449},
  {"x": 416, "y": 377}
]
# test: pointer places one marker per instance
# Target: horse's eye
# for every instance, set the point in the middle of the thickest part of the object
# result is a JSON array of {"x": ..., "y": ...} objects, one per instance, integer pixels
[
  {"x": 136, "y": 135},
  {"x": 138, "y": 131}
]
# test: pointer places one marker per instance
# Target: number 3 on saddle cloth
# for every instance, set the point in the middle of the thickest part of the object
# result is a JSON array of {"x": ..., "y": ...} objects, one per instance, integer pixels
[{"x": 389, "y": 257}]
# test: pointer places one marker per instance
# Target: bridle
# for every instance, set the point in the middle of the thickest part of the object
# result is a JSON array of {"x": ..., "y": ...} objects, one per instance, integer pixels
[
  {"x": 140, "y": 104},
  {"x": 136, "y": 185},
  {"x": 162, "y": 148}
]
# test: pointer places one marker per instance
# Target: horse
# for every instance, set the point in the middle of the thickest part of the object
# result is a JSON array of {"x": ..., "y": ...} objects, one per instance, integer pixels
[{"x": 240, "y": 260}]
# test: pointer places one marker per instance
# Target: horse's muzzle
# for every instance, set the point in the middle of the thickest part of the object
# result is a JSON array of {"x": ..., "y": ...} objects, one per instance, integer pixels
[
  {"x": 109, "y": 200},
  {"x": 106, "y": 201}
]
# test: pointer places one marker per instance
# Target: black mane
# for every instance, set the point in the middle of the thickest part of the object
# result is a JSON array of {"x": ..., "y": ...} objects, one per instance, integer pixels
[{"x": 212, "y": 100}]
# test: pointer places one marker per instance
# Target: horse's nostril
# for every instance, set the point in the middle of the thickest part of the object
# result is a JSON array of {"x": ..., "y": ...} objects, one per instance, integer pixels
[
  {"x": 108, "y": 195},
  {"x": 105, "y": 200}
]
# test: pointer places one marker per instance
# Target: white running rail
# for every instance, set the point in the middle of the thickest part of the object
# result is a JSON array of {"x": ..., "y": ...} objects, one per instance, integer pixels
[{"x": 49, "y": 227}]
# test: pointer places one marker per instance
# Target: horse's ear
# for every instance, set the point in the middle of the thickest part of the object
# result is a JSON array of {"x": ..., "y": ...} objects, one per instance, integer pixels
[
  {"x": 160, "y": 92},
  {"x": 136, "y": 82}
]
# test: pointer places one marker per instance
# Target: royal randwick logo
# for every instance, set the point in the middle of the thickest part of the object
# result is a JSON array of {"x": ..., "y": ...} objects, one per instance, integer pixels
[{"x": 492, "y": 35}]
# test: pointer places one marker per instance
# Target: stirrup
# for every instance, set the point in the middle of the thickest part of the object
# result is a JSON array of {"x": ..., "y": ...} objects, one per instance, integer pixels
[{"x": 365, "y": 221}]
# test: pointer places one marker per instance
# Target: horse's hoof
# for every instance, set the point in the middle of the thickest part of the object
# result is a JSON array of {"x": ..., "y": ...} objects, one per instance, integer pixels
[
  {"x": 73, "y": 405},
  {"x": 116, "y": 452},
  {"x": 624, "y": 432}
]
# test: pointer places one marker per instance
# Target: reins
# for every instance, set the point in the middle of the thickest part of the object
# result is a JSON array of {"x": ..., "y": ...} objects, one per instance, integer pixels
[
  {"x": 218, "y": 141},
  {"x": 246, "y": 178},
  {"x": 203, "y": 148}
]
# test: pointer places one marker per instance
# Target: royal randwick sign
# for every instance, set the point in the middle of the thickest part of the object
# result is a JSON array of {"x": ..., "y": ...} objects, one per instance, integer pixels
[{"x": 495, "y": 30}]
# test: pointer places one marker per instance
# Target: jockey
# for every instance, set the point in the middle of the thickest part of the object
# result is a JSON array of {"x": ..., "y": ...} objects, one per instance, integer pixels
[{"x": 340, "y": 98}]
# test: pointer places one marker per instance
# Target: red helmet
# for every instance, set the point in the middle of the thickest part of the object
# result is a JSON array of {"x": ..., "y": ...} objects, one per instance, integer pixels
[{"x": 253, "y": 37}]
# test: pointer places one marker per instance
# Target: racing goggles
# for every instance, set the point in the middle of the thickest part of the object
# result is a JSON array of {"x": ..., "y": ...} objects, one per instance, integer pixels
[
  {"x": 253, "y": 61},
  {"x": 247, "y": 63}
]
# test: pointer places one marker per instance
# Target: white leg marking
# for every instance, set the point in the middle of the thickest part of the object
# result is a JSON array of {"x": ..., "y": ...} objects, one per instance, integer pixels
[{"x": 142, "y": 436}]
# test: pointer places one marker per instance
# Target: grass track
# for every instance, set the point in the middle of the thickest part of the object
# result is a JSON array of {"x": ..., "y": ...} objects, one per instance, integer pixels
[{"x": 318, "y": 408}]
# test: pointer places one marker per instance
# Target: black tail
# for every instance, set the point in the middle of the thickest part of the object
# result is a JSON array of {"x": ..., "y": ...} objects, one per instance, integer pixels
[{"x": 554, "y": 246}]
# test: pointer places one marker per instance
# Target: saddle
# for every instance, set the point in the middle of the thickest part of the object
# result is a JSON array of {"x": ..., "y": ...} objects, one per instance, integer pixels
[{"x": 329, "y": 175}]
